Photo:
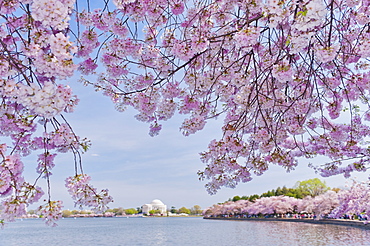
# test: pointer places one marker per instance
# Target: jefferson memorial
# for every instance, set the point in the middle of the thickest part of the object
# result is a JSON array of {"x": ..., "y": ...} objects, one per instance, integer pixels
[{"x": 154, "y": 205}]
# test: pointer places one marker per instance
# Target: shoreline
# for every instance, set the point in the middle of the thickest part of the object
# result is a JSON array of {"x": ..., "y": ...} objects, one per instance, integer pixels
[{"x": 350, "y": 223}]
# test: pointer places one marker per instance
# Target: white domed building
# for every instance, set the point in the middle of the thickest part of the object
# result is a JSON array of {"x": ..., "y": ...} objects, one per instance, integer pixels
[{"x": 154, "y": 205}]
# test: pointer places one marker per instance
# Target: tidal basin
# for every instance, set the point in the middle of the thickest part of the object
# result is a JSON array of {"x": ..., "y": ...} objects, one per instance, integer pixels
[{"x": 177, "y": 231}]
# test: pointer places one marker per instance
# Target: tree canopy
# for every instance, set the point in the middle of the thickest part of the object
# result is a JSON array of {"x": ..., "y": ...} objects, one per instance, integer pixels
[
  {"x": 290, "y": 79},
  {"x": 196, "y": 210},
  {"x": 154, "y": 211},
  {"x": 355, "y": 200},
  {"x": 312, "y": 187},
  {"x": 183, "y": 210},
  {"x": 131, "y": 211}
]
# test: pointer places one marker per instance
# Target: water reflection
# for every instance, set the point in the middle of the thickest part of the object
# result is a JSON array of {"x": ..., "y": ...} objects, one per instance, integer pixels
[
  {"x": 179, "y": 231},
  {"x": 293, "y": 233}
]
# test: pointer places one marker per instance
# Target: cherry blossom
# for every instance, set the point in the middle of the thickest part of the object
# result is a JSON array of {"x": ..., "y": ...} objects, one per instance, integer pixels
[
  {"x": 51, "y": 212},
  {"x": 353, "y": 201},
  {"x": 288, "y": 79},
  {"x": 86, "y": 195},
  {"x": 328, "y": 204}
]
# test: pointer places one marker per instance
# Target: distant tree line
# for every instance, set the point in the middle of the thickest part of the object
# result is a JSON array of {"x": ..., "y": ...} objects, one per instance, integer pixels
[
  {"x": 311, "y": 187},
  {"x": 195, "y": 210},
  {"x": 350, "y": 203},
  {"x": 115, "y": 211}
]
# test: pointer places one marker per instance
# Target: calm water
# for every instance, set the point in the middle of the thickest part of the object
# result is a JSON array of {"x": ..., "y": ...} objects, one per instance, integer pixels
[{"x": 177, "y": 231}]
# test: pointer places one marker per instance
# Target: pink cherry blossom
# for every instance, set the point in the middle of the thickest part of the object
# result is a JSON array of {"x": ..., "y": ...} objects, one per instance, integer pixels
[
  {"x": 86, "y": 195},
  {"x": 289, "y": 80}
]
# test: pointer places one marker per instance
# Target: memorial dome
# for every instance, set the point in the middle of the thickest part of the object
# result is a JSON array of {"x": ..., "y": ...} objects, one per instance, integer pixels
[
  {"x": 154, "y": 205},
  {"x": 157, "y": 202}
]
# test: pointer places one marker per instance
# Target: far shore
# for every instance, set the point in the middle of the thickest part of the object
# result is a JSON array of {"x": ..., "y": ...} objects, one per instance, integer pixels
[{"x": 341, "y": 222}]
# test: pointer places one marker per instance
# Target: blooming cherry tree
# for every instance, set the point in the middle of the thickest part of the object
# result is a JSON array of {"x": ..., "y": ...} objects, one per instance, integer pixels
[
  {"x": 321, "y": 205},
  {"x": 354, "y": 201},
  {"x": 330, "y": 203},
  {"x": 290, "y": 80}
]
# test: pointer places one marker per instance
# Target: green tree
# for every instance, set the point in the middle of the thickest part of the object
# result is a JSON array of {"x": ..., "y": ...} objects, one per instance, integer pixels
[
  {"x": 294, "y": 193},
  {"x": 236, "y": 198},
  {"x": 311, "y": 187},
  {"x": 119, "y": 211},
  {"x": 84, "y": 212},
  {"x": 253, "y": 197},
  {"x": 184, "y": 210},
  {"x": 285, "y": 190},
  {"x": 173, "y": 210},
  {"x": 66, "y": 213},
  {"x": 279, "y": 192},
  {"x": 154, "y": 211},
  {"x": 130, "y": 211},
  {"x": 268, "y": 193},
  {"x": 297, "y": 193},
  {"x": 116, "y": 211},
  {"x": 196, "y": 210}
]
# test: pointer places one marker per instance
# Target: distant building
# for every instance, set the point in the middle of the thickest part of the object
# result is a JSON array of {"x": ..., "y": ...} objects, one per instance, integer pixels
[{"x": 154, "y": 205}]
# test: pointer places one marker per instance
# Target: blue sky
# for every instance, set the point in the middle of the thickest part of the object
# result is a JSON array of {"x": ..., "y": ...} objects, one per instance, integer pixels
[{"x": 137, "y": 168}]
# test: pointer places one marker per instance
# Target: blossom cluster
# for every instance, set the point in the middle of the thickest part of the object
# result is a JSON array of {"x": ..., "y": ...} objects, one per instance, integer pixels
[
  {"x": 47, "y": 101},
  {"x": 289, "y": 79},
  {"x": 36, "y": 58},
  {"x": 51, "y": 54},
  {"x": 286, "y": 76},
  {"x": 18, "y": 193},
  {"x": 53, "y": 13},
  {"x": 85, "y": 195},
  {"x": 51, "y": 212}
]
